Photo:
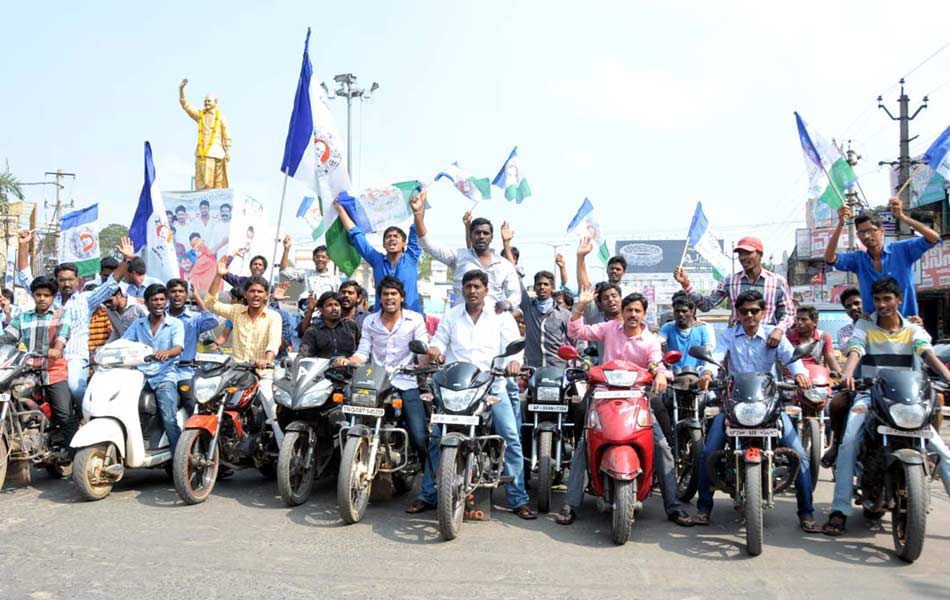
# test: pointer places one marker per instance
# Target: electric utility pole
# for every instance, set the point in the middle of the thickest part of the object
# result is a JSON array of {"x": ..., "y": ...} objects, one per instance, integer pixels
[{"x": 904, "y": 162}]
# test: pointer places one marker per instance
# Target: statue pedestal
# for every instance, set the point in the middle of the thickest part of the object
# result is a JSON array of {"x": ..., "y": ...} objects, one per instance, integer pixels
[{"x": 478, "y": 505}]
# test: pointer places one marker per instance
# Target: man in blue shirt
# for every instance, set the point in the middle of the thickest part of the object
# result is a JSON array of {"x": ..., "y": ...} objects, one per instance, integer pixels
[
  {"x": 166, "y": 336},
  {"x": 195, "y": 323},
  {"x": 744, "y": 349},
  {"x": 879, "y": 260},
  {"x": 401, "y": 259},
  {"x": 137, "y": 279},
  {"x": 682, "y": 333}
]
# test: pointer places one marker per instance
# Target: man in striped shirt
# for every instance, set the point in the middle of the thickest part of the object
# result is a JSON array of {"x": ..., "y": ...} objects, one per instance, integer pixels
[
  {"x": 885, "y": 339},
  {"x": 78, "y": 305},
  {"x": 779, "y": 306}
]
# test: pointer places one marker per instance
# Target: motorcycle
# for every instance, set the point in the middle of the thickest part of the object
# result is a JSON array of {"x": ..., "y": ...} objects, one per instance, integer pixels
[
  {"x": 753, "y": 406},
  {"x": 228, "y": 428},
  {"x": 472, "y": 457},
  {"x": 552, "y": 397},
  {"x": 308, "y": 393},
  {"x": 687, "y": 436},
  {"x": 377, "y": 448},
  {"x": 807, "y": 412},
  {"x": 619, "y": 430},
  {"x": 892, "y": 466},
  {"x": 25, "y": 417},
  {"x": 123, "y": 428}
]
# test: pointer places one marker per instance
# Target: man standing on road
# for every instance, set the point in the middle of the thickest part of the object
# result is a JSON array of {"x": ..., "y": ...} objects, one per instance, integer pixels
[
  {"x": 779, "y": 306},
  {"x": 474, "y": 333},
  {"x": 879, "y": 259}
]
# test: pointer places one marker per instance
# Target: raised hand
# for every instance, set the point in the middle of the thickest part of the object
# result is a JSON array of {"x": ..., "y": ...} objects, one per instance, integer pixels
[
  {"x": 312, "y": 302},
  {"x": 287, "y": 242},
  {"x": 559, "y": 261},
  {"x": 844, "y": 214},
  {"x": 183, "y": 83},
  {"x": 223, "y": 266},
  {"x": 679, "y": 274},
  {"x": 126, "y": 248},
  {"x": 896, "y": 207},
  {"x": 467, "y": 218},
  {"x": 25, "y": 237},
  {"x": 280, "y": 292},
  {"x": 585, "y": 246},
  {"x": 586, "y": 296},
  {"x": 418, "y": 202},
  {"x": 507, "y": 233}
]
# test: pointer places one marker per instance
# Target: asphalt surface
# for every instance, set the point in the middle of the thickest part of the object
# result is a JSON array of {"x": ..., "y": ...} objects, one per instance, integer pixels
[{"x": 143, "y": 542}]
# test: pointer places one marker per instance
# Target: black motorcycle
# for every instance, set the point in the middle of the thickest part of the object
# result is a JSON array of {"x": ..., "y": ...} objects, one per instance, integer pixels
[
  {"x": 753, "y": 407},
  {"x": 684, "y": 404},
  {"x": 308, "y": 394},
  {"x": 892, "y": 468},
  {"x": 472, "y": 457}
]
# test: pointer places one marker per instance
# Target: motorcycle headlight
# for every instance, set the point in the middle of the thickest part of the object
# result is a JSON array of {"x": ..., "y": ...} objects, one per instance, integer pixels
[
  {"x": 459, "y": 400},
  {"x": 282, "y": 397},
  {"x": 548, "y": 394},
  {"x": 908, "y": 416},
  {"x": 816, "y": 395},
  {"x": 205, "y": 387},
  {"x": 313, "y": 398},
  {"x": 619, "y": 378},
  {"x": 749, "y": 414}
]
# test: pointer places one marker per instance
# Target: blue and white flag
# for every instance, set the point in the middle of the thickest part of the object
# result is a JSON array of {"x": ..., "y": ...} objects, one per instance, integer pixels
[
  {"x": 937, "y": 156},
  {"x": 705, "y": 243},
  {"x": 150, "y": 232},
  {"x": 511, "y": 180},
  {"x": 473, "y": 188},
  {"x": 79, "y": 240},
  {"x": 591, "y": 228}
]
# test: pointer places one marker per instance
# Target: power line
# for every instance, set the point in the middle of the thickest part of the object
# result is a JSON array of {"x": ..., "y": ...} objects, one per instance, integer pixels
[{"x": 926, "y": 60}]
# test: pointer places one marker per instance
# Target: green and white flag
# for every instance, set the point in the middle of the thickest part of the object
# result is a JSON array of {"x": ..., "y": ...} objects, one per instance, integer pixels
[
  {"x": 79, "y": 240},
  {"x": 511, "y": 180},
  {"x": 473, "y": 188},
  {"x": 821, "y": 156}
]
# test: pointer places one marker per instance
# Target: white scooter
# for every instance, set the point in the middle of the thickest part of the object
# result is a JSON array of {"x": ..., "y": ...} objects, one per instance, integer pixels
[{"x": 123, "y": 427}]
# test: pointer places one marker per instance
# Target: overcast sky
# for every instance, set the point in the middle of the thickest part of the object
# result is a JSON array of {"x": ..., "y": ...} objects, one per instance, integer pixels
[{"x": 644, "y": 107}]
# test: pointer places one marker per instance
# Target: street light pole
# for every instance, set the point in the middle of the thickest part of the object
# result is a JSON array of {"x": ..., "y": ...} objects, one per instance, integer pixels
[{"x": 349, "y": 90}]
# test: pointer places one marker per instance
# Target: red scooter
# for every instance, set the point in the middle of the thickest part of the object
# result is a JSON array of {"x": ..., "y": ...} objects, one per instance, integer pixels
[
  {"x": 619, "y": 433},
  {"x": 808, "y": 414}
]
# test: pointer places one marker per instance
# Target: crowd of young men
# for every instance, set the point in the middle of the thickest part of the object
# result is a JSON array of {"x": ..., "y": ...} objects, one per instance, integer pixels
[{"x": 493, "y": 303}]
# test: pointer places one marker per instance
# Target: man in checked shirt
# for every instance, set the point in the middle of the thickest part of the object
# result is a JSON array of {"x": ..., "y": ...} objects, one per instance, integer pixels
[{"x": 779, "y": 306}]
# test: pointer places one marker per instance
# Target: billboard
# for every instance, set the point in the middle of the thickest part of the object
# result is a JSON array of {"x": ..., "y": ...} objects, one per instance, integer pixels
[
  {"x": 934, "y": 269},
  {"x": 660, "y": 256}
]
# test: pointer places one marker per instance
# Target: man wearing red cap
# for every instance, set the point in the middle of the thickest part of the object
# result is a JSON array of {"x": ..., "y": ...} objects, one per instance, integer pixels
[{"x": 779, "y": 307}]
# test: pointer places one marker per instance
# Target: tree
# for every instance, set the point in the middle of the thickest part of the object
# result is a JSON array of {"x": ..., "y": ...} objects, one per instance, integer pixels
[
  {"x": 109, "y": 237},
  {"x": 425, "y": 266},
  {"x": 9, "y": 187}
]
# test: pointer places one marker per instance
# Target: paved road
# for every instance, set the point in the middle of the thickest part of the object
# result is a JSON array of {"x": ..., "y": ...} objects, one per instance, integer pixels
[{"x": 142, "y": 542}]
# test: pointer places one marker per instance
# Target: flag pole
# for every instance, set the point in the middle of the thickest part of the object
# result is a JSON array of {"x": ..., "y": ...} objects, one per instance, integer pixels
[
  {"x": 909, "y": 179},
  {"x": 280, "y": 217},
  {"x": 685, "y": 248}
]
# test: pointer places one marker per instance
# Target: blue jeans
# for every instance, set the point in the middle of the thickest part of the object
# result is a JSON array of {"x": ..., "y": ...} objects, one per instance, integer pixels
[
  {"x": 76, "y": 378},
  {"x": 514, "y": 395},
  {"x": 503, "y": 420},
  {"x": 851, "y": 445},
  {"x": 716, "y": 440},
  {"x": 417, "y": 425},
  {"x": 166, "y": 396}
]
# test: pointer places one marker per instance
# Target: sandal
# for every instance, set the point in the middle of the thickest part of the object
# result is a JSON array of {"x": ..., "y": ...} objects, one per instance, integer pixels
[
  {"x": 808, "y": 525},
  {"x": 525, "y": 512},
  {"x": 835, "y": 525},
  {"x": 701, "y": 519},
  {"x": 419, "y": 506},
  {"x": 566, "y": 516},
  {"x": 681, "y": 518}
]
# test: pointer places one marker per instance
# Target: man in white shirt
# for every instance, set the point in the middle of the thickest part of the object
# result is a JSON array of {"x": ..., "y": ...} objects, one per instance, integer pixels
[
  {"x": 322, "y": 280},
  {"x": 503, "y": 282},
  {"x": 474, "y": 333}
]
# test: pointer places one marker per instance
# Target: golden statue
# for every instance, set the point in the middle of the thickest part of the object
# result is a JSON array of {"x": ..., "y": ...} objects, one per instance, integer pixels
[{"x": 214, "y": 142}]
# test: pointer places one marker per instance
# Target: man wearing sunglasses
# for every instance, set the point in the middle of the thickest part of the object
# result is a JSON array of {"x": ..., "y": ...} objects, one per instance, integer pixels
[
  {"x": 879, "y": 259},
  {"x": 744, "y": 349},
  {"x": 779, "y": 307}
]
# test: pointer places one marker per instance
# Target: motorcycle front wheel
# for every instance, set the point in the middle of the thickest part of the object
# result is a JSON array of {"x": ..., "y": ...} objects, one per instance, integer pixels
[
  {"x": 194, "y": 478},
  {"x": 689, "y": 452},
  {"x": 4, "y": 460},
  {"x": 354, "y": 484},
  {"x": 624, "y": 505},
  {"x": 294, "y": 476},
  {"x": 811, "y": 440},
  {"x": 909, "y": 516},
  {"x": 88, "y": 465},
  {"x": 451, "y": 509},
  {"x": 545, "y": 471},
  {"x": 753, "y": 508}
]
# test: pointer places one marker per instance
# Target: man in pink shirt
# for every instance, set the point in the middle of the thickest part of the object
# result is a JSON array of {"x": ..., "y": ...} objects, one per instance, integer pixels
[{"x": 629, "y": 340}]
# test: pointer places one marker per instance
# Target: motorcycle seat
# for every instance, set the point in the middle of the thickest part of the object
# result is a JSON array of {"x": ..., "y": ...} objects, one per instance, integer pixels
[{"x": 147, "y": 403}]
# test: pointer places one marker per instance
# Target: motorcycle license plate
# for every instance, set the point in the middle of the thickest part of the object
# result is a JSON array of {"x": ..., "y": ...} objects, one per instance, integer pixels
[
  {"x": 454, "y": 419},
  {"x": 606, "y": 394},
  {"x": 772, "y": 432},
  {"x": 552, "y": 408},
  {"x": 362, "y": 410},
  {"x": 918, "y": 433}
]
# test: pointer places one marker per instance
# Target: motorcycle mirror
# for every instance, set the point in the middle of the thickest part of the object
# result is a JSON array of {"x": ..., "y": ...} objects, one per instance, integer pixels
[
  {"x": 802, "y": 350},
  {"x": 418, "y": 347},
  {"x": 567, "y": 352},
  {"x": 514, "y": 347},
  {"x": 703, "y": 354},
  {"x": 672, "y": 357}
]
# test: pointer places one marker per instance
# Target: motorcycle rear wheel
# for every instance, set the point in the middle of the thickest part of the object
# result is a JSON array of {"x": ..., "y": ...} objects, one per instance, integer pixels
[
  {"x": 753, "y": 508},
  {"x": 811, "y": 440},
  {"x": 909, "y": 516},
  {"x": 354, "y": 486},
  {"x": 4, "y": 459},
  {"x": 193, "y": 483},
  {"x": 624, "y": 504},
  {"x": 451, "y": 508},
  {"x": 294, "y": 478},
  {"x": 545, "y": 471},
  {"x": 86, "y": 466},
  {"x": 688, "y": 462}
]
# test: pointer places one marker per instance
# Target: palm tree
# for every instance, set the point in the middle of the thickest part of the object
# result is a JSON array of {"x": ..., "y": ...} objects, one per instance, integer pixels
[{"x": 9, "y": 186}]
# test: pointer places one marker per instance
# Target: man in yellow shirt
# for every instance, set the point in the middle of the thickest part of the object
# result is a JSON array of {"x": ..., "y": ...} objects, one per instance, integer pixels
[{"x": 255, "y": 335}]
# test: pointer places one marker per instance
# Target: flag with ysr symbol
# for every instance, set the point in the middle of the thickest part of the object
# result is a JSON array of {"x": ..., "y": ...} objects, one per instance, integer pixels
[{"x": 79, "y": 240}]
